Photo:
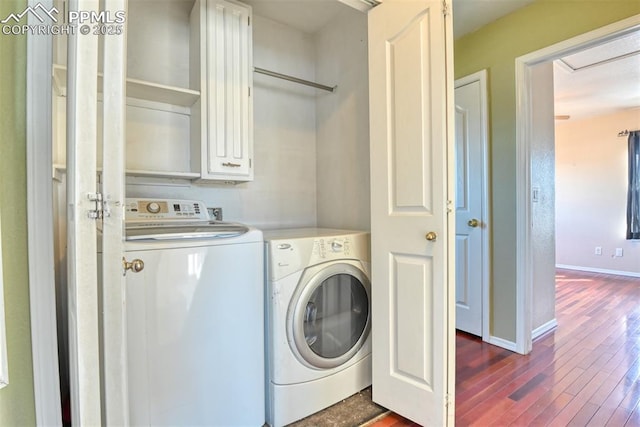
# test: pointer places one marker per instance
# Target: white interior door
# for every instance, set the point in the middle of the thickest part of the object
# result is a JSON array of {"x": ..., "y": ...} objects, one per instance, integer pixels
[
  {"x": 471, "y": 224},
  {"x": 412, "y": 302},
  {"x": 82, "y": 100},
  {"x": 85, "y": 211}
]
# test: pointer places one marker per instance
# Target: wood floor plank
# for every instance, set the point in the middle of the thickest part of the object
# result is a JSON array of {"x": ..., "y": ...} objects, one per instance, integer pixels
[
  {"x": 547, "y": 415},
  {"x": 586, "y": 372}
]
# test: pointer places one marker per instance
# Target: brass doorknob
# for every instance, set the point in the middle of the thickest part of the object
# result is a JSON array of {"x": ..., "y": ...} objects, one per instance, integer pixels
[
  {"x": 473, "y": 223},
  {"x": 137, "y": 265},
  {"x": 431, "y": 236}
]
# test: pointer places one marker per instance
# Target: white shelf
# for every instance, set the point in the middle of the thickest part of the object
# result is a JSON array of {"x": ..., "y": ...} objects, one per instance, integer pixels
[
  {"x": 139, "y": 89},
  {"x": 58, "y": 169},
  {"x": 162, "y": 174}
]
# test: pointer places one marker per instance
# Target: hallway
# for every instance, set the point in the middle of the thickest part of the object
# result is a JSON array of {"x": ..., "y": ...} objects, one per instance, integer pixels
[{"x": 586, "y": 372}]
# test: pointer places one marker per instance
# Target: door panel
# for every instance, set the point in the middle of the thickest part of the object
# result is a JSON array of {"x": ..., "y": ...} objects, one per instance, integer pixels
[
  {"x": 82, "y": 98},
  {"x": 410, "y": 278},
  {"x": 409, "y": 121},
  {"x": 409, "y": 93},
  {"x": 114, "y": 344},
  {"x": 469, "y": 193}
]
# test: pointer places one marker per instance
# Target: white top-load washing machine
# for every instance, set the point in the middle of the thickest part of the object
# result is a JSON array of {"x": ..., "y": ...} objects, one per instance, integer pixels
[
  {"x": 195, "y": 317},
  {"x": 318, "y": 320}
]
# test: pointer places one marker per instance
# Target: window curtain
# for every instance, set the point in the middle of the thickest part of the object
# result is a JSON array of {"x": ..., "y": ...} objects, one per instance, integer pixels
[{"x": 633, "y": 194}]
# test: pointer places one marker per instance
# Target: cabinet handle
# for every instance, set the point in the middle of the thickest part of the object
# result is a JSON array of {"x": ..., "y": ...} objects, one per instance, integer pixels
[
  {"x": 136, "y": 266},
  {"x": 232, "y": 165}
]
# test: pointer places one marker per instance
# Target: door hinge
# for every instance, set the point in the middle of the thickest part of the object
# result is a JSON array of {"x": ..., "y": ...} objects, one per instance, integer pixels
[
  {"x": 101, "y": 209},
  {"x": 445, "y": 8},
  {"x": 248, "y": 20},
  {"x": 447, "y": 400}
]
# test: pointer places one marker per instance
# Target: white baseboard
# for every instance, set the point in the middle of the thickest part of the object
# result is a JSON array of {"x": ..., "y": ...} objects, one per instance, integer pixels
[
  {"x": 543, "y": 329},
  {"x": 598, "y": 270},
  {"x": 509, "y": 345}
]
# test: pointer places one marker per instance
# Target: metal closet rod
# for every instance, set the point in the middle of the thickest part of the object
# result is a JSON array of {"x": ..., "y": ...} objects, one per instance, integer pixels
[
  {"x": 626, "y": 132},
  {"x": 294, "y": 79}
]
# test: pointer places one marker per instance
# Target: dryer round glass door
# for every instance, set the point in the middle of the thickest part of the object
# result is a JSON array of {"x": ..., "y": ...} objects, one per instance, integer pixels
[{"x": 331, "y": 316}]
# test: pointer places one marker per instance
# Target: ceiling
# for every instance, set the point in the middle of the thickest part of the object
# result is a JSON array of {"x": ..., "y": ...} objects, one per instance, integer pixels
[
  {"x": 310, "y": 16},
  {"x": 471, "y": 15},
  {"x": 599, "y": 80}
]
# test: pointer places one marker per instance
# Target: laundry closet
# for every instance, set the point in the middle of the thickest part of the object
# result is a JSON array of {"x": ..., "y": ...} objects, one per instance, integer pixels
[
  {"x": 308, "y": 149},
  {"x": 291, "y": 155},
  {"x": 276, "y": 153}
]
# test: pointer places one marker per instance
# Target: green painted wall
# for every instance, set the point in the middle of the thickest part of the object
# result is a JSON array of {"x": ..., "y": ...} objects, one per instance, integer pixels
[
  {"x": 17, "y": 407},
  {"x": 495, "y": 47}
]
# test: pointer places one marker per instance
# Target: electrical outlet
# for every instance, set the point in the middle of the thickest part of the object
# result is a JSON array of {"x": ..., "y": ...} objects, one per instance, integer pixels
[
  {"x": 598, "y": 250},
  {"x": 618, "y": 252}
]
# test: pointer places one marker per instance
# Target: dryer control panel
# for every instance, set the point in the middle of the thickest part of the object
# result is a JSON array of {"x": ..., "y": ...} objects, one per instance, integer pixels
[
  {"x": 331, "y": 247},
  {"x": 162, "y": 210},
  {"x": 291, "y": 251}
]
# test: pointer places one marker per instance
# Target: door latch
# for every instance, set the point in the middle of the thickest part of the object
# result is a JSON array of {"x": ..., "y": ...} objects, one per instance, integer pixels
[{"x": 96, "y": 213}]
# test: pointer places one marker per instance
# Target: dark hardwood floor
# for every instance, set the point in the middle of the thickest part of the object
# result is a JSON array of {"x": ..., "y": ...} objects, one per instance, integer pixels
[{"x": 585, "y": 373}]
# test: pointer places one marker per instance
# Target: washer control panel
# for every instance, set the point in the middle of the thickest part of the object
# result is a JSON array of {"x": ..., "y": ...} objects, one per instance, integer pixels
[{"x": 145, "y": 210}]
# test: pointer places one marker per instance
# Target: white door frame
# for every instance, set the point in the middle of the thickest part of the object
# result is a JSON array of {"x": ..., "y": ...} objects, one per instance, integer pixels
[
  {"x": 44, "y": 342},
  {"x": 485, "y": 230},
  {"x": 524, "y": 127}
]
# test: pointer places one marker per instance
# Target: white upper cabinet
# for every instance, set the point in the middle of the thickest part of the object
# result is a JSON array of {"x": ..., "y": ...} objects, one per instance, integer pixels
[
  {"x": 225, "y": 123},
  {"x": 189, "y": 83}
]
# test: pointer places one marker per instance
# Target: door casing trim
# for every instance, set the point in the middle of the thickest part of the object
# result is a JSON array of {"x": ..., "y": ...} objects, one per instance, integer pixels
[
  {"x": 44, "y": 342},
  {"x": 524, "y": 126}
]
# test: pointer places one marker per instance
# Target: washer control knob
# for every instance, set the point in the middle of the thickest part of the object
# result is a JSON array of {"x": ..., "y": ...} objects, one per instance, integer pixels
[
  {"x": 336, "y": 246},
  {"x": 153, "y": 207}
]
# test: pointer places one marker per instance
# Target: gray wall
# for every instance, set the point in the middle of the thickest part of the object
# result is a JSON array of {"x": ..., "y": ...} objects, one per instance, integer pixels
[
  {"x": 343, "y": 124},
  {"x": 543, "y": 211}
]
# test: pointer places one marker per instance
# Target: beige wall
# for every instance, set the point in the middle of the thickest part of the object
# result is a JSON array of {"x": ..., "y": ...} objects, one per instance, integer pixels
[
  {"x": 591, "y": 191},
  {"x": 495, "y": 47},
  {"x": 17, "y": 407}
]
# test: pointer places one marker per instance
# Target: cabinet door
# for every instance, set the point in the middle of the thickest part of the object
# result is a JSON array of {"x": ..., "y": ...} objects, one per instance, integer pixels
[
  {"x": 228, "y": 133},
  {"x": 410, "y": 87}
]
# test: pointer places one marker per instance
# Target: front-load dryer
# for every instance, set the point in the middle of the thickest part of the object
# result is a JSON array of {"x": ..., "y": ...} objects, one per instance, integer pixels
[{"x": 318, "y": 319}]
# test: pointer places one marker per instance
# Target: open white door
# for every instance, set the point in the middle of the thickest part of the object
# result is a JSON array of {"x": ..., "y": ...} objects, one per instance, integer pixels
[
  {"x": 96, "y": 400},
  {"x": 82, "y": 280},
  {"x": 411, "y": 94},
  {"x": 471, "y": 205}
]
